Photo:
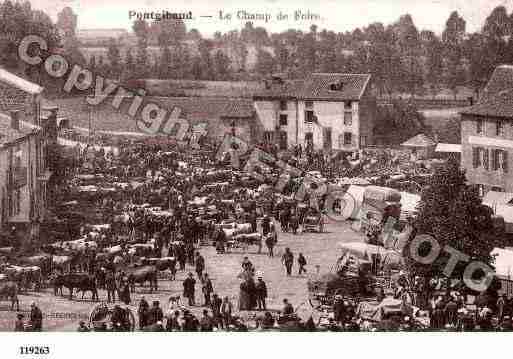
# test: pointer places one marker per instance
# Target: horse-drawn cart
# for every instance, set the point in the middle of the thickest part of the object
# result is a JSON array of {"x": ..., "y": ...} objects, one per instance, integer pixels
[{"x": 116, "y": 318}]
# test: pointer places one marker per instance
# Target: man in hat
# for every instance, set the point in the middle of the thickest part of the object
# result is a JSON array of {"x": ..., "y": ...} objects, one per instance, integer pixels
[
  {"x": 110, "y": 284},
  {"x": 207, "y": 288},
  {"x": 261, "y": 292},
  {"x": 266, "y": 225},
  {"x": 36, "y": 317},
  {"x": 288, "y": 260},
  {"x": 189, "y": 288},
  {"x": 142, "y": 312},
  {"x": 155, "y": 314},
  {"x": 19, "y": 325},
  {"x": 288, "y": 309},
  {"x": 200, "y": 265}
]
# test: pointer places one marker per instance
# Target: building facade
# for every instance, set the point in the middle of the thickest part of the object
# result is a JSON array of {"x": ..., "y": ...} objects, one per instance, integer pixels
[
  {"x": 327, "y": 111},
  {"x": 23, "y": 148},
  {"x": 487, "y": 135}
]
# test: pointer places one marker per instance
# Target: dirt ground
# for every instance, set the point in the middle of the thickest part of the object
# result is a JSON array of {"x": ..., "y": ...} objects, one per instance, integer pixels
[{"x": 61, "y": 314}]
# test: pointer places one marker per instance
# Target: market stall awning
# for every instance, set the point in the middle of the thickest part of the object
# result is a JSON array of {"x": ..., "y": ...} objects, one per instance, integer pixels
[
  {"x": 420, "y": 140},
  {"x": 493, "y": 198},
  {"x": 503, "y": 262},
  {"x": 448, "y": 148}
]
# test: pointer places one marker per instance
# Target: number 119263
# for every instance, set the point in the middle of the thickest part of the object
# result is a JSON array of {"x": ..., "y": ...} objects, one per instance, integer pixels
[{"x": 34, "y": 350}]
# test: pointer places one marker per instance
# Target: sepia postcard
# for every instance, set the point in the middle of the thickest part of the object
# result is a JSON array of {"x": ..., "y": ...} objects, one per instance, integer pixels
[{"x": 255, "y": 166}]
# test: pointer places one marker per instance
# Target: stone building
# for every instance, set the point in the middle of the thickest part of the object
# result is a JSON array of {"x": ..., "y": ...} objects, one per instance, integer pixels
[{"x": 328, "y": 110}]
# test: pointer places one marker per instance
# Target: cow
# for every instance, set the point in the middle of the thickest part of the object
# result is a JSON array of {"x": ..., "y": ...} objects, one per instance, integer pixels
[
  {"x": 162, "y": 264},
  {"x": 25, "y": 277},
  {"x": 81, "y": 281},
  {"x": 10, "y": 291},
  {"x": 140, "y": 275},
  {"x": 246, "y": 240},
  {"x": 43, "y": 261}
]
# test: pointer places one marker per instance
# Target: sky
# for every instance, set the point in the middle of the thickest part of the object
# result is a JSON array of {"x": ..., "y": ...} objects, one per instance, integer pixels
[{"x": 336, "y": 15}]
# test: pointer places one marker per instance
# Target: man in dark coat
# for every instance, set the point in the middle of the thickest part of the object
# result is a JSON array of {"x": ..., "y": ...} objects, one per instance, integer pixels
[
  {"x": 200, "y": 264},
  {"x": 206, "y": 322},
  {"x": 110, "y": 285},
  {"x": 288, "y": 260},
  {"x": 301, "y": 261},
  {"x": 142, "y": 312},
  {"x": 207, "y": 288},
  {"x": 155, "y": 314},
  {"x": 266, "y": 225},
  {"x": 215, "y": 305},
  {"x": 253, "y": 221},
  {"x": 36, "y": 318},
  {"x": 261, "y": 293},
  {"x": 189, "y": 288}
]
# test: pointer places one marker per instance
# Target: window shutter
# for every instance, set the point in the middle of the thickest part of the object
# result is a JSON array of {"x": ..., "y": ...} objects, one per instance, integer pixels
[
  {"x": 495, "y": 160},
  {"x": 505, "y": 161},
  {"x": 475, "y": 157},
  {"x": 485, "y": 159}
]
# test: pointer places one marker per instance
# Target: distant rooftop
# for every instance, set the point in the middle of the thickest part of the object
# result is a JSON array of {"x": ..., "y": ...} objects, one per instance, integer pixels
[
  {"x": 8, "y": 134},
  {"x": 497, "y": 97},
  {"x": 320, "y": 86}
]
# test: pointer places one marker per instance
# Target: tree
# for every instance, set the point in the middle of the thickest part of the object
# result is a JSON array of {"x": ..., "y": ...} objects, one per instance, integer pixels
[
  {"x": 168, "y": 32},
  {"x": 207, "y": 64},
  {"x": 452, "y": 38},
  {"x": 67, "y": 22},
  {"x": 130, "y": 66},
  {"x": 452, "y": 213},
  {"x": 165, "y": 62},
  {"x": 408, "y": 43},
  {"x": 142, "y": 63},
  {"x": 265, "y": 64},
  {"x": 114, "y": 57},
  {"x": 434, "y": 62},
  {"x": 221, "y": 66}
]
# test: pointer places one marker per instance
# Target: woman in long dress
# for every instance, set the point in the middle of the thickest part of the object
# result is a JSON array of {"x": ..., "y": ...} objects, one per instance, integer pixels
[{"x": 245, "y": 290}]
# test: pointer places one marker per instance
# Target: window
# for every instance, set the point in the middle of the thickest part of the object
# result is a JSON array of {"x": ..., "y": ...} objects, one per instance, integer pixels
[
  {"x": 499, "y": 160},
  {"x": 348, "y": 138},
  {"x": 336, "y": 86},
  {"x": 309, "y": 116},
  {"x": 283, "y": 105},
  {"x": 480, "y": 157},
  {"x": 348, "y": 118},
  {"x": 348, "y": 105},
  {"x": 479, "y": 125},
  {"x": 497, "y": 189},
  {"x": 480, "y": 190},
  {"x": 283, "y": 120},
  {"x": 309, "y": 138},
  {"x": 15, "y": 203},
  {"x": 363, "y": 141},
  {"x": 283, "y": 140},
  {"x": 309, "y": 104},
  {"x": 268, "y": 136},
  {"x": 499, "y": 127}
]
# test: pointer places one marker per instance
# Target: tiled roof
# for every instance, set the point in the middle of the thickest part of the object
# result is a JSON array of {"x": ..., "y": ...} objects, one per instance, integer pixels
[
  {"x": 8, "y": 134},
  {"x": 19, "y": 83},
  {"x": 318, "y": 87},
  {"x": 200, "y": 108},
  {"x": 498, "y": 105},
  {"x": 501, "y": 79},
  {"x": 106, "y": 117}
]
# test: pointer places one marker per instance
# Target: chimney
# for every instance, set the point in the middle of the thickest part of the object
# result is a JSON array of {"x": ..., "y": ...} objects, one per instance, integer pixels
[{"x": 15, "y": 120}]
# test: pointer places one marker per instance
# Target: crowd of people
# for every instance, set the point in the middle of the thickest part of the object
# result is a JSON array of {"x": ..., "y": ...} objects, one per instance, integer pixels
[{"x": 167, "y": 204}]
